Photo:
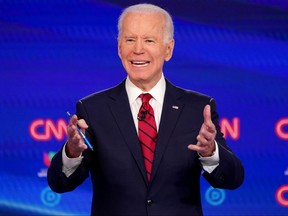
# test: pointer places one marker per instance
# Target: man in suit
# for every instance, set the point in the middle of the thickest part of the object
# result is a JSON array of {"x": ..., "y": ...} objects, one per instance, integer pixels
[{"x": 186, "y": 138}]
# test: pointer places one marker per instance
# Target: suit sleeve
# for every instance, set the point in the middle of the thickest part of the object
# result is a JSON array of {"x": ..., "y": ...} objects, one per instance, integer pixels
[
  {"x": 230, "y": 172},
  {"x": 57, "y": 180}
]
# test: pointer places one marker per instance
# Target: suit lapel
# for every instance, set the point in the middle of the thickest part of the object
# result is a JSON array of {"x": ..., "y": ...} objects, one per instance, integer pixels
[
  {"x": 121, "y": 111},
  {"x": 172, "y": 108}
]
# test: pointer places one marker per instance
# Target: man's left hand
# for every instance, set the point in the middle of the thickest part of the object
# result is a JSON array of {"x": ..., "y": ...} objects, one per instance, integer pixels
[{"x": 205, "y": 145}]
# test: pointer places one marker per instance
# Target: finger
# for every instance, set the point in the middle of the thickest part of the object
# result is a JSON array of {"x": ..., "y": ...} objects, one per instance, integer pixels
[
  {"x": 207, "y": 115},
  {"x": 203, "y": 141},
  {"x": 72, "y": 126},
  {"x": 207, "y": 119},
  {"x": 198, "y": 148},
  {"x": 206, "y": 132},
  {"x": 74, "y": 118},
  {"x": 76, "y": 139},
  {"x": 204, "y": 151},
  {"x": 194, "y": 147},
  {"x": 71, "y": 131},
  {"x": 75, "y": 146},
  {"x": 82, "y": 124},
  {"x": 73, "y": 134}
]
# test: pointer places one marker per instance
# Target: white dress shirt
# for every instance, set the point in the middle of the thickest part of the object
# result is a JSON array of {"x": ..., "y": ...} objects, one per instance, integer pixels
[
  {"x": 157, "y": 93},
  {"x": 133, "y": 92}
]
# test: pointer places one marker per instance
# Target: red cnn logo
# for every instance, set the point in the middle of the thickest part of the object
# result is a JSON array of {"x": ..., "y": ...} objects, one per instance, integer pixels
[
  {"x": 280, "y": 128},
  {"x": 45, "y": 129},
  {"x": 231, "y": 129}
]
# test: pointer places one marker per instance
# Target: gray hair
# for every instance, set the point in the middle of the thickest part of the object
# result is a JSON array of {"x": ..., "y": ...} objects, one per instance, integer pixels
[{"x": 149, "y": 8}]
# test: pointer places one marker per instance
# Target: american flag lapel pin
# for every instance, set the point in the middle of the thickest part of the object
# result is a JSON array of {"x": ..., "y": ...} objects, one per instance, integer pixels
[{"x": 175, "y": 107}]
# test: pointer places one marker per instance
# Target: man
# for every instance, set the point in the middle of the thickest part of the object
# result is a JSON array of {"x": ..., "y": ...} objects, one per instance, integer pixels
[{"x": 148, "y": 153}]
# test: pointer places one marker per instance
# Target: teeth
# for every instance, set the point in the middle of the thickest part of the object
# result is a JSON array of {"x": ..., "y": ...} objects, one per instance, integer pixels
[{"x": 140, "y": 63}]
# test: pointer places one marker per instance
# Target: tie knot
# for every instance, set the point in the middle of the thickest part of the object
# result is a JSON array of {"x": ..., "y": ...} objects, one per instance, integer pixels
[{"x": 145, "y": 97}]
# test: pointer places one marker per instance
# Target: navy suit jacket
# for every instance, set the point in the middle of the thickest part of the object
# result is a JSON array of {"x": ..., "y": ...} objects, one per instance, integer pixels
[{"x": 116, "y": 166}]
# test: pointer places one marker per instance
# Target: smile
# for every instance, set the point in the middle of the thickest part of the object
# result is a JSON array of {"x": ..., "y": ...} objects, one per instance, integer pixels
[{"x": 140, "y": 63}]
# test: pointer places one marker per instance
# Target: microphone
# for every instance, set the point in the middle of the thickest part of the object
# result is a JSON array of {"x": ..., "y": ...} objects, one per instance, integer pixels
[{"x": 142, "y": 115}]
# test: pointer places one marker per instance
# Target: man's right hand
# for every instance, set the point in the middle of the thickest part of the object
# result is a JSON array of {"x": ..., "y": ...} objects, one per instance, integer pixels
[{"x": 75, "y": 145}]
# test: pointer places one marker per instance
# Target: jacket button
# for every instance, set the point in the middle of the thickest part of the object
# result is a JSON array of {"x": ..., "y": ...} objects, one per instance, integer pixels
[{"x": 149, "y": 202}]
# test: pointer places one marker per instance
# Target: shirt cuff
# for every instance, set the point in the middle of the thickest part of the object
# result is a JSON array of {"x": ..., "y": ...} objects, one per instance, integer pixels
[
  {"x": 70, "y": 164},
  {"x": 210, "y": 163}
]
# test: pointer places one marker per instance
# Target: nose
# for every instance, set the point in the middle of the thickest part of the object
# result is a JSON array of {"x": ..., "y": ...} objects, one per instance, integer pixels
[{"x": 138, "y": 47}]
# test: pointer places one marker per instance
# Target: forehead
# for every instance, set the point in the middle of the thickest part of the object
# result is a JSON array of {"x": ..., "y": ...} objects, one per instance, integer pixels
[{"x": 143, "y": 23}]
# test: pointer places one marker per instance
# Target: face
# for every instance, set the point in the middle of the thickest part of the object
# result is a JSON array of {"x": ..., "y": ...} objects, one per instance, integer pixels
[{"x": 142, "y": 49}]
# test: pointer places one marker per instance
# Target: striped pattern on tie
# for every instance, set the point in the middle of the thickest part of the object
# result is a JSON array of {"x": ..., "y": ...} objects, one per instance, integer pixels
[{"x": 147, "y": 132}]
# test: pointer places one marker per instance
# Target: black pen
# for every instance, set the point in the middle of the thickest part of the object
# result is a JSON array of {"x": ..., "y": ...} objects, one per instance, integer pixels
[{"x": 82, "y": 134}]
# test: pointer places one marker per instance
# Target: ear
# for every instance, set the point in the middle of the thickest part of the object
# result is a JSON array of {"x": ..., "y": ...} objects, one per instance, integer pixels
[
  {"x": 119, "y": 50},
  {"x": 169, "y": 50}
]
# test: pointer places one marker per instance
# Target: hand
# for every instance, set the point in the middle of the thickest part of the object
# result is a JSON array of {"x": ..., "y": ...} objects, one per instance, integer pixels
[
  {"x": 75, "y": 145},
  {"x": 205, "y": 145}
]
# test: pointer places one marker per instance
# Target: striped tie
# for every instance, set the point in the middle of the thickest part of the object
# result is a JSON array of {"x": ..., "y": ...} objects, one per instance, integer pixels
[{"x": 147, "y": 132}]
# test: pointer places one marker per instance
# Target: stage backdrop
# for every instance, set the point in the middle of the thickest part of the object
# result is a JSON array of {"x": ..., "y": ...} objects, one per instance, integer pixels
[{"x": 53, "y": 52}]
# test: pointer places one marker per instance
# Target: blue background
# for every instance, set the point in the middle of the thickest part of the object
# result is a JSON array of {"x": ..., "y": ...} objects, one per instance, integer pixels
[{"x": 53, "y": 52}]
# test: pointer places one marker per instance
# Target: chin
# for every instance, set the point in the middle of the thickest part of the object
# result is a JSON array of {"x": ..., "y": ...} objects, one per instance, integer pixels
[{"x": 138, "y": 75}]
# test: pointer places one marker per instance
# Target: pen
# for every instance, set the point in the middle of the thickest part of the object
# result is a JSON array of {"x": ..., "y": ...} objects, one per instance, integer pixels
[{"x": 82, "y": 134}]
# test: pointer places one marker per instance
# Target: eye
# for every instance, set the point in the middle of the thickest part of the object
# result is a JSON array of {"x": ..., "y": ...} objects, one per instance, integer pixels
[
  {"x": 149, "y": 41},
  {"x": 130, "y": 40}
]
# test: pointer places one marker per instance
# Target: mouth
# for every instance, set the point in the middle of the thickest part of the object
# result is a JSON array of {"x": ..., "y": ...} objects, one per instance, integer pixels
[{"x": 140, "y": 63}]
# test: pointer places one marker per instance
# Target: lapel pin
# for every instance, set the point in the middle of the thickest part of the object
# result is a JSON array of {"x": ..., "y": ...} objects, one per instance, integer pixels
[{"x": 175, "y": 107}]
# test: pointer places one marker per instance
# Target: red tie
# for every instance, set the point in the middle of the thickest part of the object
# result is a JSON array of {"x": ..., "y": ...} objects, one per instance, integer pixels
[{"x": 147, "y": 132}]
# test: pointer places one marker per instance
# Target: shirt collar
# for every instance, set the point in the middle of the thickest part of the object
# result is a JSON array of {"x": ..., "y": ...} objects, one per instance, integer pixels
[{"x": 157, "y": 91}]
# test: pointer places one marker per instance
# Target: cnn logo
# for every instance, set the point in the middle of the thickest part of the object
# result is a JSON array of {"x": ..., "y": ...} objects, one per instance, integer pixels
[{"x": 46, "y": 129}]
